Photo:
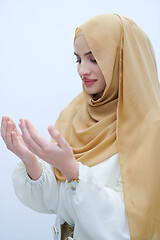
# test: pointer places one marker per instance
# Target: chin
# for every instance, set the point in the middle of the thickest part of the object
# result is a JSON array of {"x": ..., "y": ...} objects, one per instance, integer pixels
[
  {"x": 93, "y": 92},
  {"x": 90, "y": 91}
]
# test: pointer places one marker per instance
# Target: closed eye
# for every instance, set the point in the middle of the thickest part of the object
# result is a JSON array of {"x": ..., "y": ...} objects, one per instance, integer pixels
[
  {"x": 89, "y": 55},
  {"x": 78, "y": 61},
  {"x": 93, "y": 60}
]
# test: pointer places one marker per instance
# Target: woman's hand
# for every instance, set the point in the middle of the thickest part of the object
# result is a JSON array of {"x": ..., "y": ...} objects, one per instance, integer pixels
[
  {"x": 14, "y": 142},
  {"x": 58, "y": 154},
  {"x": 13, "y": 139}
]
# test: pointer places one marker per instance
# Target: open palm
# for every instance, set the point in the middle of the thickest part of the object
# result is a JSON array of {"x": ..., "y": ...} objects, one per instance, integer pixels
[{"x": 13, "y": 139}]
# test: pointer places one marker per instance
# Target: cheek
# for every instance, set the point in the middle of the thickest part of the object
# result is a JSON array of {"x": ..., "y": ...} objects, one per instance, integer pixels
[
  {"x": 100, "y": 75},
  {"x": 104, "y": 83}
]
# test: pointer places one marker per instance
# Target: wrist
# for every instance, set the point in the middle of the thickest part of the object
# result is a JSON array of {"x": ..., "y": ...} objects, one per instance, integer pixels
[
  {"x": 28, "y": 158},
  {"x": 72, "y": 172},
  {"x": 33, "y": 168}
]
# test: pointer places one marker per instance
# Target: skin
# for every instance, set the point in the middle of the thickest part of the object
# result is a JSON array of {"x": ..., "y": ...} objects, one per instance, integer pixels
[
  {"x": 87, "y": 67},
  {"x": 29, "y": 144}
]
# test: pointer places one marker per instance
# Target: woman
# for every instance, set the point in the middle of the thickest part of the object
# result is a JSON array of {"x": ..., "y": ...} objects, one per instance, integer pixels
[{"x": 104, "y": 183}]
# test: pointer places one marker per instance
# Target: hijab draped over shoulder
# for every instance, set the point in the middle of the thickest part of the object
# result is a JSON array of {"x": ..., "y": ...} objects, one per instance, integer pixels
[{"x": 124, "y": 120}]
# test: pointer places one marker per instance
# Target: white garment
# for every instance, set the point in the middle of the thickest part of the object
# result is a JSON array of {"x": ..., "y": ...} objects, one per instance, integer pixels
[{"x": 96, "y": 208}]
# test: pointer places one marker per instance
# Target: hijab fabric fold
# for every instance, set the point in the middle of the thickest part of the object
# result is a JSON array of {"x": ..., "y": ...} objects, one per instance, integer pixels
[{"x": 124, "y": 120}]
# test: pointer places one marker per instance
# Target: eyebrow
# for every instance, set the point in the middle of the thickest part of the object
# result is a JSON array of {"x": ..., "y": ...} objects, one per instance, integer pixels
[{"x": 84, "y": 54}]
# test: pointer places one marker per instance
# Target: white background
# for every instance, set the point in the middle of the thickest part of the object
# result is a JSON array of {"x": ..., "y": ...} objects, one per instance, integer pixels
[{"x": 38, "y": 78}]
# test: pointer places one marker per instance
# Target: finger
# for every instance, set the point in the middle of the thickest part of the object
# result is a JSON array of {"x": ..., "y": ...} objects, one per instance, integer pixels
[
  {"x": 57, "y": 137},
  {"x": 4, "y": 122},
  {"x": 14, "y": 139},
  {"x": 41, "y": 142},
  {"x": 8, "y": 131},
  {"x": 4, "y": 126},
  {"x": 8, "y": 138},
  {"x": 30, "y": 143},
  {"x": 16, "y": 144},
  {"x": 15, "y": 128},
  {"x": 14, "y": 125}
]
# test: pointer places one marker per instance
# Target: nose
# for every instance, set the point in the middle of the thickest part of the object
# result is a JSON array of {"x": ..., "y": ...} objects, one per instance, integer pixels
[{"x": 83, "y": 69}]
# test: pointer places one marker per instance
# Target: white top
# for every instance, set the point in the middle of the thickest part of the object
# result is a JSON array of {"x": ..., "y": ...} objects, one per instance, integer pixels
[{"x": 96, "y": 208}]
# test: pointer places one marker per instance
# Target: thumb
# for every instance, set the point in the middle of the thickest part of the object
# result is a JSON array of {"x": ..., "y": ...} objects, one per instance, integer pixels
[{"x": 57, "y": 137}]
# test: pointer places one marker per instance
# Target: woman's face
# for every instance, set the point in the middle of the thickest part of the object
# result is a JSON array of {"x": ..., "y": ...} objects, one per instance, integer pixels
[{"x": 88, "y": 69}]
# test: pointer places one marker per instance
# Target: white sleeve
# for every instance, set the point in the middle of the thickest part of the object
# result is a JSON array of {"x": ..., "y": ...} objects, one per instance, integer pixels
[
  {"x": 41, "y": 195},
  {"x": 98, "y": 211}
]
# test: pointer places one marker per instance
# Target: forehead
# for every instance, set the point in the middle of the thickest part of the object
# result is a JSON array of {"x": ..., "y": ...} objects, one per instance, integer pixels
[{"x": 81, "y": 45}]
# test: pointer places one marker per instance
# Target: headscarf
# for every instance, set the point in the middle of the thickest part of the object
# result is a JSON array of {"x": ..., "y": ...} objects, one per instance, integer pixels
[{"x": 124, "y": 120}]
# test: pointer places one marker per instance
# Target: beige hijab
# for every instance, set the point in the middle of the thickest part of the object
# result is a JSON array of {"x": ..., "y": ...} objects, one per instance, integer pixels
[{"x": 125, "y": 119}]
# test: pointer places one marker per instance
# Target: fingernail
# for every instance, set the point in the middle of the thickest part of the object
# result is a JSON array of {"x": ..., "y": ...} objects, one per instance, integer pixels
[{"x": 21, "y": 120}]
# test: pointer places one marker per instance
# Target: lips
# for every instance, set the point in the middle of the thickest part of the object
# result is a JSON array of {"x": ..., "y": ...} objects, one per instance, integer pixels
[{"x": 88, "y": 82}]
